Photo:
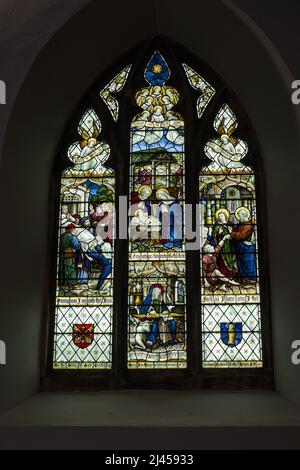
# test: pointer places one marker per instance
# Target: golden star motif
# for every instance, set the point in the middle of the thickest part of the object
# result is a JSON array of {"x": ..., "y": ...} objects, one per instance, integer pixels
[{"x": 157, "y": 68}]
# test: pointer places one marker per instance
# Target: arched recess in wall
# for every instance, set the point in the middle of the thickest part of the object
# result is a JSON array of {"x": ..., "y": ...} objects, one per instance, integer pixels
[
  {"x": 163, "y": 129},
  {"x": 30, "y": 146}
]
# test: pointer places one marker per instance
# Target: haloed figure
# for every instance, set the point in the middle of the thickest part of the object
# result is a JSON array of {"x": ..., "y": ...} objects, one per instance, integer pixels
[
  {"x": 155, "y": 306},
  {"x": 244, "y": 247},
  {"x": 226, "y": 259}
]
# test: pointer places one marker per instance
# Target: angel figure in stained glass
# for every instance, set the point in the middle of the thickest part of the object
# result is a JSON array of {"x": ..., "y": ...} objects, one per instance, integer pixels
[
  {"x": 138, "y": 330},
  {"x": 226, "y": 151},
  {"x": 89, "y": 154}
]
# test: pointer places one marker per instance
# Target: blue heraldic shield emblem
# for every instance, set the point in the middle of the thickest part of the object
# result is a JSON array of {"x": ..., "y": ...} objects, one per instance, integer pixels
[{"x": 231, "y": 333}]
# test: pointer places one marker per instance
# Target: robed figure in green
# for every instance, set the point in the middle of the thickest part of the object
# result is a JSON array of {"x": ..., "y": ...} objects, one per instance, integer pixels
[
  {"x": 226, "y": 261},
  {"x": 69, "y": 249}
]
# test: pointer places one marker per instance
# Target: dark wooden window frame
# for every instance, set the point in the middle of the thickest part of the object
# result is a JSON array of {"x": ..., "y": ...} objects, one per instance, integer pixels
[{"x": 117, "y": 135}]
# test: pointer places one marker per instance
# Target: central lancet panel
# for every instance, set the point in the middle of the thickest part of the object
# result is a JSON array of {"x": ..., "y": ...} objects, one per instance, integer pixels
[{"x": 157, "y": 287}]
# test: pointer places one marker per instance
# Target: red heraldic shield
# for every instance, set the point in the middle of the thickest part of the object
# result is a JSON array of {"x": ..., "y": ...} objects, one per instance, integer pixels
[{"x": 83, "y": 335}]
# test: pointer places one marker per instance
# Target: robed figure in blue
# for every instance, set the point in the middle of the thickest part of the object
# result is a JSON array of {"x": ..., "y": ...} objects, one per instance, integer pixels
[
  {"x": 171, "y": 219},
  {"x": 244, "y": 247},
  {"x": 155, "y": 304},
  {"x": 103, "y": 256}
]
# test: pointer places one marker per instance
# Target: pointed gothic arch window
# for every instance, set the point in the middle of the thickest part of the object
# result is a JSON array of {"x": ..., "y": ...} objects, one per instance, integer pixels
[{"x": 158, "y": 279}]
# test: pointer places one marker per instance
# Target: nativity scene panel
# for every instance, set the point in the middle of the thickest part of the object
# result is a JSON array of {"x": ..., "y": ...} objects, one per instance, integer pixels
[{"x": 156, "y": 317}]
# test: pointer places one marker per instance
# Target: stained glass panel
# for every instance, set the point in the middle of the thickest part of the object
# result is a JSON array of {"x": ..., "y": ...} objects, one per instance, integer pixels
[
  {"x": 114, "y": 86},
  {"x": 84, "y": 284},
  {"x": 230, "y": 289},
  {"x": 157, "y": 291},
  {"x": 198, "y": 83}
]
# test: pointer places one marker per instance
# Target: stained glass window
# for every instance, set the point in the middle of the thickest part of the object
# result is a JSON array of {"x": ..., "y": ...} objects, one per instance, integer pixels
[
  {"x": 199, "y": 83},
  {"x": 83, "y": 306},
  {"x": 113, "y": 87},
  {"x": 160, "y": 131}
]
